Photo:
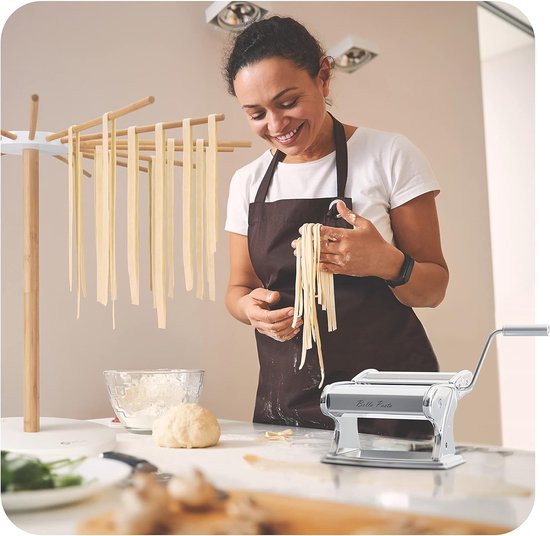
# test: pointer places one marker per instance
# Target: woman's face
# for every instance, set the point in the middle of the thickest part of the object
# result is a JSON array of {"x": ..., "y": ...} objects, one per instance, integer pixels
[{"x": 286, "y": 107}]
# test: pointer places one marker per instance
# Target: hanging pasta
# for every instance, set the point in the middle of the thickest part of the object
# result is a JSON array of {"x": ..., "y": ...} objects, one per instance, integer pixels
[
  {"x": 112, "y": 218},
  {"x": 133, "y": 214},
  {"x": 199, "y": 205},
  {"x": 187, "y": 205},
  {"x": 81, "y": 289},
  {"x": 312, "y": 287},
  {"x": 98, "y": 214},
  {"x": 103, "y": 214},
  {"x": 170, "y": 157},
  {"x": 211, "y": 203},
  {"x": 150, "y": 214},
  {"x": 159, "y": 265},
  {"x": 199, "y": 216}
]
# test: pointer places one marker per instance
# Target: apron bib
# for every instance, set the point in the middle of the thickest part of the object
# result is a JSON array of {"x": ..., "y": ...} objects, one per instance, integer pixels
[{"x": 374, "y": 330}]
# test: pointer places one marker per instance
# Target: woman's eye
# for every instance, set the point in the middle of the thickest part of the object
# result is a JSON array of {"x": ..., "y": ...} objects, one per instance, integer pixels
[
  {"x": 289, "y": 104},
  {"x": 258, "y": 116}
]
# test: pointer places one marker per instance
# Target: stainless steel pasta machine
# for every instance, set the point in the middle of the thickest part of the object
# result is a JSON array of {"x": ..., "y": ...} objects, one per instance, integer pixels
[{"x": 431, "y": 396}]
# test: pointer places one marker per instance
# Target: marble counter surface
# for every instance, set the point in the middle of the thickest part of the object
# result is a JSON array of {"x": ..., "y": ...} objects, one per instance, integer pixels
[{"x": 493, "y": 486}]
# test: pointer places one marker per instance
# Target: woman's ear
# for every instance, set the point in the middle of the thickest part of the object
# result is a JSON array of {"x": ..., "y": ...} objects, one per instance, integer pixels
[{"x": 325, "y": 74}]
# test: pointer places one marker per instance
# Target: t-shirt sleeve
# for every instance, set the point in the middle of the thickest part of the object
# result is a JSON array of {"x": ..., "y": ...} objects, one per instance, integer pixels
[
  {"x": 237, "y": 205},
  {"x": 411, "y": 173}
]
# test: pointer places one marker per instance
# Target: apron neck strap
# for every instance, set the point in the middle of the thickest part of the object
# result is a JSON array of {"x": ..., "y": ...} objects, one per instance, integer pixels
[
  {"x": 341, "y": 155},
  {"x": 341, "y": 163}
]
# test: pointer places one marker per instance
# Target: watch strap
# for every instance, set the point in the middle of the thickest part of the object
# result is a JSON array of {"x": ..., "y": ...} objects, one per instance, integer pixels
[{"x": 404, "y": 273}]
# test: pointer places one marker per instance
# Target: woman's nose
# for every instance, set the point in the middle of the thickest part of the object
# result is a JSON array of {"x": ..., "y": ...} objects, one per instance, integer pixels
[{"x": 276, "y": 122}]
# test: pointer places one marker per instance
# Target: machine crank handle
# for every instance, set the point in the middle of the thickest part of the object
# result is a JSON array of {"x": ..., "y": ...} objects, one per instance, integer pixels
[{"x": 535, "y": 330}]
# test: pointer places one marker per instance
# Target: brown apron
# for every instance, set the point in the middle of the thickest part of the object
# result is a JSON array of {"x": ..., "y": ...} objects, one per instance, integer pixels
[{"x": 374, "y": 329}]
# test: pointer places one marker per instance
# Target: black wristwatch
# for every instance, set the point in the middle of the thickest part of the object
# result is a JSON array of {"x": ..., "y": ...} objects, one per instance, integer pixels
[{"x": 404, "y": 273}]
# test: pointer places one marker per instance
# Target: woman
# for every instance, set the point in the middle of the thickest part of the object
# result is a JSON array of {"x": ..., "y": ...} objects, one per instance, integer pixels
[{"x": 381, "y": 239}]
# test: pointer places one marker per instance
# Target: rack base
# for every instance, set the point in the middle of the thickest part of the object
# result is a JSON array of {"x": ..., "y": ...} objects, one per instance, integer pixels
[{"x": 57, "y": 438}]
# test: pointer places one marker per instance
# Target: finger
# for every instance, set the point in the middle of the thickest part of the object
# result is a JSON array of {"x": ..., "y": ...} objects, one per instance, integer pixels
[
  {"x": 283, "y": 328},
  {"x": 330, "y": 258},
  {"x": 264, "y": 320},
  {"x": 265, "y": 295},
  {"x": 330, "y": 268},
  {"x": 350, "y": 216},
  {"x": 278, "y": 315},
  {"x": 287, "y": 336},
  {"x": 330, "y": 247},
  {"x": 332, "y": 234}
]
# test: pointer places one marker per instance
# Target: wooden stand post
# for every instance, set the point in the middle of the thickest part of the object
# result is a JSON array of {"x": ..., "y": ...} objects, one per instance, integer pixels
[{"x": 31, "y": 413}]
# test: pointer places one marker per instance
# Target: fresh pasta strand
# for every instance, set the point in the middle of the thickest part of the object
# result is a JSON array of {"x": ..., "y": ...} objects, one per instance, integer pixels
[
  {"x": 312, "y": 288},
  {"x": 187, "y": 205},
  {"x": 199, "y": 220},
  {"x": 150, "y": 182},
  {"x": 170, "y": 155},
  {"x": 95, "y": 174},
  {"x": 102, "y": 214},
  {"x": 81, "y": 272},
  {"x": 112, "y": 213},
  {"x": 211, "y": 215},
  {"x": 159, "y": 227},
  {"x": 152, "y": 225},
  {"x": 133, "y": 215}
]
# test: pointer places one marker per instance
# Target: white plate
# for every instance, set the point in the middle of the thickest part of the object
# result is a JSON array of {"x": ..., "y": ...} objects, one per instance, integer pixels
[{"x": 97, "y": 473}]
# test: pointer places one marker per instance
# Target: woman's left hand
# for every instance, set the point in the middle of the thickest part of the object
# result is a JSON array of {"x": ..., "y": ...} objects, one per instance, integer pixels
[{"x": 361, "y": 251}]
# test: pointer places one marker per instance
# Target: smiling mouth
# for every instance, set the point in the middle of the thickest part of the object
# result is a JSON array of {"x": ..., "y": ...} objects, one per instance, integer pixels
[{"x": 289, "y": 136}]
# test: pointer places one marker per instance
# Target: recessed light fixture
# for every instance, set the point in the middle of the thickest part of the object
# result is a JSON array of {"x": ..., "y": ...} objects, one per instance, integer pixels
[
  {"x": 353, "y": 52},
  {"x": 235, "y": 16}
]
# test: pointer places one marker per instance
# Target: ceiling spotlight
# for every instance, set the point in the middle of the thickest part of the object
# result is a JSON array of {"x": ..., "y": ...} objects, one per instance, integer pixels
[
  {"x": 234, "y": 16},
  {"x": 353, "y": 52}
]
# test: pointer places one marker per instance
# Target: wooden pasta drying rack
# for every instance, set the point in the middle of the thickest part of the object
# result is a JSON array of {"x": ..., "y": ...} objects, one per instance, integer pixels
[{"x": 87, "y": 437}]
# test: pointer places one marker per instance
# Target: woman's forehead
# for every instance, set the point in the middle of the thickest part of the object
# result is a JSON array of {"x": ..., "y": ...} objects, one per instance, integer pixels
[{"x": 271, "y": 75}]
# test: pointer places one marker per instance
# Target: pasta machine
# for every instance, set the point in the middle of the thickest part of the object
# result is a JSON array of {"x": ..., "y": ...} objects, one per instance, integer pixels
[{"x": 431, "y": 396}]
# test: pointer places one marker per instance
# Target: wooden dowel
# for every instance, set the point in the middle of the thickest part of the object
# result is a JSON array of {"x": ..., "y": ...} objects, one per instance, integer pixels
[
  {"x": 149, "y": 146},
  {"x": 8, "y": 134},
  {"x": 140, "y": 130},
  {"x": 63, "y": 159},
  {"x": 178, "y": 143},
  {"x": 34, "y": 116},
  {"x": 31, "y": 387},
  {"x": 90, "y": 156},
  {"x": 178, "y": 149},
  {"x": 95, "y": 136},
  {"x": 140, "y": 157},
  {"x": 97, "y": 121}
]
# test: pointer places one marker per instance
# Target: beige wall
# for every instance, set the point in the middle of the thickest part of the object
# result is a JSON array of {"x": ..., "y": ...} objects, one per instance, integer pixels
[{"x": 87, "y": 58}]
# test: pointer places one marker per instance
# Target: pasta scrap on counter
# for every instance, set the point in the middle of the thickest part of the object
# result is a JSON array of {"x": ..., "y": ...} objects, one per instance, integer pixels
[{"x": 278, "y": 436}]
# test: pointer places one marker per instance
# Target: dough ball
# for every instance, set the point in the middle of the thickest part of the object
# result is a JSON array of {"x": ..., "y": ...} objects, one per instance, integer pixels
[{"x": 186, "y": 426}]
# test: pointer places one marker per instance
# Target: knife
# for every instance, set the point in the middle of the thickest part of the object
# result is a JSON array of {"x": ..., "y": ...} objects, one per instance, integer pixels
[{"x": 139, "y": 465}]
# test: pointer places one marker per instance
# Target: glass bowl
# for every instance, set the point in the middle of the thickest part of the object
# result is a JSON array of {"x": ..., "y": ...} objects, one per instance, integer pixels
[{"x": 138, "y": 397}]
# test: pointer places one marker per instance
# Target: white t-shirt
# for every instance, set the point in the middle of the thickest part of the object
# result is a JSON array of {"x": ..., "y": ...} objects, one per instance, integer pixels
[{"x": 385, "y": 170}]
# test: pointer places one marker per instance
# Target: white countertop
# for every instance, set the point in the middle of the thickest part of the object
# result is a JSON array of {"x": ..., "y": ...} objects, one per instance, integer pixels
[{"x": 493, "y": 486}]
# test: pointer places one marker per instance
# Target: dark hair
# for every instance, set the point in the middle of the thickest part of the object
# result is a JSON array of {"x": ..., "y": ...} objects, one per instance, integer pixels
[{"x": 273, "y": 37}]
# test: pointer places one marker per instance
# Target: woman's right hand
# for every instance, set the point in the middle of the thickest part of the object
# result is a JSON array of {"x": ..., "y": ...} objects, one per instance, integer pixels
[{"x": 276, "y": 324}]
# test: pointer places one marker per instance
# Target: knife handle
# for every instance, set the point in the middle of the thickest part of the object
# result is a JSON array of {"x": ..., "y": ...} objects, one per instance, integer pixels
[{"x": 139, "y": 464}]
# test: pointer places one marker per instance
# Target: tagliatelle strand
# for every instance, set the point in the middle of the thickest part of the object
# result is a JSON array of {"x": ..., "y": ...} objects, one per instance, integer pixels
[
  {"x": 312, "y": 288},
  {"x": 187, "y": 204},
  {"x": 132, "y": 245},
  {"x": 170, "y": 152}
]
